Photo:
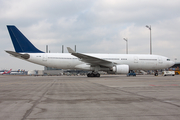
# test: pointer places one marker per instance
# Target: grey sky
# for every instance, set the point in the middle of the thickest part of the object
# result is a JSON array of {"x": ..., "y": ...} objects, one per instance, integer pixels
[{"x": 95, "y": 26}]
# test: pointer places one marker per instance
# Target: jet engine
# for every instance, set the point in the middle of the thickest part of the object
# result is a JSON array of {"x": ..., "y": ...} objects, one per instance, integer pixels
[{"x": 121, "y": 69}]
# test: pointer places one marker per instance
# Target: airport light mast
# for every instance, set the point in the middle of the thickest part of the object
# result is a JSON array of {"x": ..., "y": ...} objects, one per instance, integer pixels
[
  {"x": 149, "y": 27},
  {"x": 126, "y": 45}
]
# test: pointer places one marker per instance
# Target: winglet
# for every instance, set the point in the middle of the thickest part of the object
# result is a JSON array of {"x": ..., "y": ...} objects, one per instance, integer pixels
[{"x": 70, "y": 50}]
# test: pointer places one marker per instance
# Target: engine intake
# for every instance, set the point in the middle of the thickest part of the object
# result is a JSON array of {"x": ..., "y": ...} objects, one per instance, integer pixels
[{"x": 121, "y": 69}]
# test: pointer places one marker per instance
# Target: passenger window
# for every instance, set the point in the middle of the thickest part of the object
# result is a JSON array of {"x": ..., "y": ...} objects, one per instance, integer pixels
[{"x": 168, "y": 59}]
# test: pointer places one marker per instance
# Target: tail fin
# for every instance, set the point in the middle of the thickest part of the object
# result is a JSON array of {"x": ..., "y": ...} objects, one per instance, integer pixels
[
  {"x": 8, "y": 71},
  {"x": 20, "y": 42},
  {"x": 4, "y": 72}
]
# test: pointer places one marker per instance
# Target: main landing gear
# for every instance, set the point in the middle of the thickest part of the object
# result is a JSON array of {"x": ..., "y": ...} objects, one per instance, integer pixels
[{"x": 93, "y": 74}]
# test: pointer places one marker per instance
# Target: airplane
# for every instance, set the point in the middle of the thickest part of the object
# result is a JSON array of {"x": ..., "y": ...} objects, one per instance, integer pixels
[
  {"x": 8, "y": 71},
  {"x": 18, "y": 72},
  {"x": 2, "y": 73},
  {"x": 116, "y": 63}
]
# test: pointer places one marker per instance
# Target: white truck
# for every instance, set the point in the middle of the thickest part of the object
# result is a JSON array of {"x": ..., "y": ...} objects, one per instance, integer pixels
[{"x": 170, "y": 73}]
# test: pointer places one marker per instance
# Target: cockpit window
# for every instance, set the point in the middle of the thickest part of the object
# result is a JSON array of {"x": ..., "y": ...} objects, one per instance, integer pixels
[{"x": 168, "y": 59}]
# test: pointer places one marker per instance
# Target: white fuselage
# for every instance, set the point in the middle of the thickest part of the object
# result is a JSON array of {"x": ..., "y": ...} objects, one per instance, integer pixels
[{"x": 68, "y": 61}]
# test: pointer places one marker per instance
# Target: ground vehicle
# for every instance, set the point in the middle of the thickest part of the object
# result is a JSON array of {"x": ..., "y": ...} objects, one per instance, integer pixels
[
  {"x": 165, "y": 73},
  {"x": 131, "y": 73},
  {"x": 177, "y": 72}
]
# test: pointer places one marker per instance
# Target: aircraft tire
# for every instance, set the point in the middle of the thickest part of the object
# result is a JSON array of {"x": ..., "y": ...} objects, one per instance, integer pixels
[
  {"x": 97, "y": 75},
  {"x": 156, "y": 74},
  {"x": 93, "y": 75},
  {"x": 88, "y": 75}
]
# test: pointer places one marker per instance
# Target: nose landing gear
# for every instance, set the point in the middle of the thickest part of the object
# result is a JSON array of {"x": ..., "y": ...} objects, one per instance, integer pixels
[{"x": 155, "y": 73}]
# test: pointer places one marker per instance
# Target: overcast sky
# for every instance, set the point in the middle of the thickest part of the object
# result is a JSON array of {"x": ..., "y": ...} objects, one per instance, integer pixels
[{"x": 95, "y": 26}]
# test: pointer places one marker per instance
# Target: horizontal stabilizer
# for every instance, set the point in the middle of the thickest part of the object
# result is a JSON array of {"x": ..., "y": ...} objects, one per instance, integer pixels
[{"x": 22, "y": 56}]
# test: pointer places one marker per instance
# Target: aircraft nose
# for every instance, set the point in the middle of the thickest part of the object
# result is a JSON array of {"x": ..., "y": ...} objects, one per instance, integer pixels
[{"x": 171, "y": 63}]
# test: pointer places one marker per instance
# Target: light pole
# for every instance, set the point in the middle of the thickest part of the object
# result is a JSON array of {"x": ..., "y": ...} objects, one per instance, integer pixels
[
  {"x": 126, "y": 45},
  {"x": 149, "y": 27}
]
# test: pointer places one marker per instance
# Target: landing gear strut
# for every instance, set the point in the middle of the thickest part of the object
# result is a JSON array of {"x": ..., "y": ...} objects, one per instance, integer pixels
[{"x": 93, "y": 74}]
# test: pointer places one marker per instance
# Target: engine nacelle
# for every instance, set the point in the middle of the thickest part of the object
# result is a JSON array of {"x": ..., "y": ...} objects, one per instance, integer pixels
[{"x": 121, "y": 69}]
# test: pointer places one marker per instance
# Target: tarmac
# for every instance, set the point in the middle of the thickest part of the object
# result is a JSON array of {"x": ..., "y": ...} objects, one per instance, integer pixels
[{"x": 110, "y": 97}]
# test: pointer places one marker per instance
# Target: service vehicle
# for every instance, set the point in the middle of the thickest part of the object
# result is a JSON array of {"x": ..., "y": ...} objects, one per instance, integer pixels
[{"x": 168, "y": 73}]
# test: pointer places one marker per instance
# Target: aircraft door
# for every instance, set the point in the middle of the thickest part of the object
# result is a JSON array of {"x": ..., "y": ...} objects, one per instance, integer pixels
[
  {"x": 135, "y": 59},
  {"x": 160, "y": 61},
  {"x": 44, "y": 57}
]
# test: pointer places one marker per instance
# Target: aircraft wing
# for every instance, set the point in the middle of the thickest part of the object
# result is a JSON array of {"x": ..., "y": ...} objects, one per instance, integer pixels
[
  {"x": 91, "y": 60},
  {"x": 19, "y": 55}
]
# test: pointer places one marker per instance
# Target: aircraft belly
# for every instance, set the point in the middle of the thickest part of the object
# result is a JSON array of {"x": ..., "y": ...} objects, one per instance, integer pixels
[
  {"x": 62, "y": 64},
  {"x": 58, "y": 64},
  {"x": 148, "y": 65},
  {"x": 144, "y": 66}
]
